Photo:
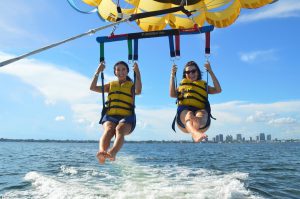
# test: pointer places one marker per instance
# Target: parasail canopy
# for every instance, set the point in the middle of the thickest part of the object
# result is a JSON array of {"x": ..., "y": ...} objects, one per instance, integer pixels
[{"x": 220, "y": 13}]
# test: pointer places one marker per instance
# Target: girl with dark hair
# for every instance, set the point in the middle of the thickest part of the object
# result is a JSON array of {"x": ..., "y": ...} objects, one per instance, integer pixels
[
  {"x": 119, "y": 119},
  {"x": 193, "y": 112}
]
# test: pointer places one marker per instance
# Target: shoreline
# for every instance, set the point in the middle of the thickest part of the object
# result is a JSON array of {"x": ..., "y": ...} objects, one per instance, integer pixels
[{"x": 146, "y": 141}]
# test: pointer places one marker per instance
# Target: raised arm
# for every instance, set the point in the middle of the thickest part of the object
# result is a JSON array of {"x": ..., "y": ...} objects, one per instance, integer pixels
[
  {"x": 138, "y": 83},
  {"x": 216, "y": 88},
  {"x": 94, "y": 86},
  {"x": 172, "y": 90}
]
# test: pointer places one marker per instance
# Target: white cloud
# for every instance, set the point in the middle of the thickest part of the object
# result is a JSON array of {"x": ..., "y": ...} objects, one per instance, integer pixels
[
  {"x": 265, "y": 55},
  {"x": 282, "y": 121},
  {"x": 60, "y": 118},
  {"x": 58, "y": 84},
  {"x": 260, "y": 116},
  {"x": 280, "y": 9}
]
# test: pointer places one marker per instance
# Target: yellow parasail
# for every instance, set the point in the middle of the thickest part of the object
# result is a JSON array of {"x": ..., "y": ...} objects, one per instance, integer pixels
[{"x": 220, "y": 13}]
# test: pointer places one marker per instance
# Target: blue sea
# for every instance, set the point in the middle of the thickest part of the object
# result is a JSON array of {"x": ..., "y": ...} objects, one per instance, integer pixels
[{"x": 150, "y": 170}]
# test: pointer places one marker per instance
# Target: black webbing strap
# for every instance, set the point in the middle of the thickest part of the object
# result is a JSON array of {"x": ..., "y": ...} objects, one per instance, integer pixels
[
  {"x": 171, "y": 45},
  {"x": 120, "y": 15},
  {"x": 104, "y": 108},
  {"x": 135, "y": 49},
  {"x": 159, "y": 12}
]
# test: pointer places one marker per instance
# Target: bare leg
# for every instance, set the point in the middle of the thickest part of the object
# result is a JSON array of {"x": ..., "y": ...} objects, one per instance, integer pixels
[
  {"x": 104, "y": 142},
  {"x": 121, "y": 130},
  {"x": 191, "y": 123}
]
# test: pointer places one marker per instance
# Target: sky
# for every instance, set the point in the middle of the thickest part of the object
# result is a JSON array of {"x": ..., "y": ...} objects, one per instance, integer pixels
[{"x": 47, "y": 96}]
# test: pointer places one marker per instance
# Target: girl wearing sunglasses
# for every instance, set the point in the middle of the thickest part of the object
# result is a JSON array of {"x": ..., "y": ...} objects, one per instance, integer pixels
[{"x": 193, "y": 112}]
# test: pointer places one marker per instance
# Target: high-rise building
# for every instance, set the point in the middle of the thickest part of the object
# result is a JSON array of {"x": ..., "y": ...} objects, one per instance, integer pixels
[
  {"x": 221, "y": 138},
  {"x": 239, "y": 137},
  {"x": 218, "y": 138},
  {"x": 229, "y": 138},
  {"x": 250, "y": 139},
  {"x": 262, "y": 137},
  {"x": 269, "y": 137}
]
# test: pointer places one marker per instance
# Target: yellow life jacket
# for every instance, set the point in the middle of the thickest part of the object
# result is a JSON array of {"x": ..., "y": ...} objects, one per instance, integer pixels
[
  {"x": 120, "y": 99},
  {"x": 192, "y": 93}
]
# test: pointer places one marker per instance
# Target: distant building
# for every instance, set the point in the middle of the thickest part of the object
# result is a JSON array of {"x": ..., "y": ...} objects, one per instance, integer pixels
[
  {"x": 250, "y": 139},
  {"x": 269, "y": 137},
  {"x": 218, "y": 138},
  {"x": 244, "y": 139},
  {"x": 229, "y": 138},
  {"x": 221, "y": 138},
  {"x": 257, "y": 138},
  {"x": 262, "y": 137},
  {"x": 239, "y": 137},
  {"x": 214, "y": 139}
]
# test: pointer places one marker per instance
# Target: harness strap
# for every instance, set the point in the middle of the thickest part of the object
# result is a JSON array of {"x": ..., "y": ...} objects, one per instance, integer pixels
[
  {"x": 177, "y": 44},
  {"x": 101, "y": 51},
  {"x": 104, "y": 108},
  {"x": 130, "y": 56},
  {"x": 136, "y": 49},
  {"x": 207, "y": 43},
  {"x": 171, "y": 45}
]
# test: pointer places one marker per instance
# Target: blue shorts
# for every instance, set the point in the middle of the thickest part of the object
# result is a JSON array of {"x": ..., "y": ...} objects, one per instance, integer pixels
[
  {"x": 131, "y": 119},
  {"x": 182, "y": 108}
]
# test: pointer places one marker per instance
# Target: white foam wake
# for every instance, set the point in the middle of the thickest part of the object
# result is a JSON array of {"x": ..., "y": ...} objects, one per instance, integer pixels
[{"x": 127, "y": 179}]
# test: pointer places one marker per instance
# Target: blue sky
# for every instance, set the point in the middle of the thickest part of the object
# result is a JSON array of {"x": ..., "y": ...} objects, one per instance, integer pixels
[{"x": 47, "y": 96}]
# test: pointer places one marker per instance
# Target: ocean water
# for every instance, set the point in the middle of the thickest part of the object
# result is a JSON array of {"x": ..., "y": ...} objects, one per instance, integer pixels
[{"x": 156, "y": 170}]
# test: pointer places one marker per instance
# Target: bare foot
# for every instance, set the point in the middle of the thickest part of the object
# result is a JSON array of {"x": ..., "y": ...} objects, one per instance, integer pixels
[
  {"x": 101, "y": 155},
  {"x": 112, "y": 156},
  {"x": 198, "y": 137}
]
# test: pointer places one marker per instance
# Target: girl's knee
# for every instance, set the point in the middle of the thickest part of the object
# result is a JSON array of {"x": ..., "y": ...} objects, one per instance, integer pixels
[
  {"x": 123, "y": 129},
  {"x": 109, "y": 130}
]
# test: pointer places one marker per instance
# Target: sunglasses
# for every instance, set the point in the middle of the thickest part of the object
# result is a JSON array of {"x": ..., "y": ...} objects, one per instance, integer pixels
[{"x": 190, "y": 71}]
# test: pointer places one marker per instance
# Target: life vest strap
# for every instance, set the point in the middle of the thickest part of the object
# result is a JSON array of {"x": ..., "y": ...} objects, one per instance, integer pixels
[
  {"x": 120, "y": 107},
  {"x": 119, "y": 92},
  {"x": 117, "y": 100},
  {"x": 192, "y": 84},
  {"x": 191, "y": 97},
  {"x": 195, "y": 92}
]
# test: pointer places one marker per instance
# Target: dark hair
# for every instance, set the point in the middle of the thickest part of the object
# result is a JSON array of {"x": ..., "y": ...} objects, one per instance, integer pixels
[
  {"x": 192, "y": 63},
  {"x": 126, "y": 65}
]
